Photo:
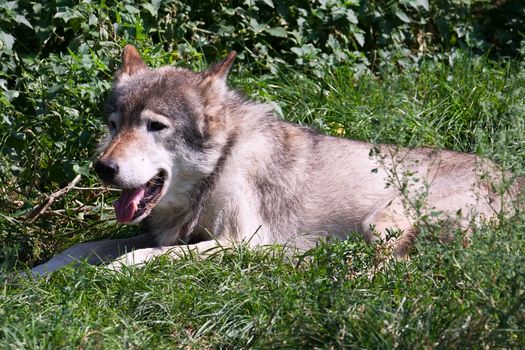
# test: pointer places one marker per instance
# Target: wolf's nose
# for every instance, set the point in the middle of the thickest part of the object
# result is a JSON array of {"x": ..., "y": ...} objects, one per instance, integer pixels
[{"x": 106, "y": 170}]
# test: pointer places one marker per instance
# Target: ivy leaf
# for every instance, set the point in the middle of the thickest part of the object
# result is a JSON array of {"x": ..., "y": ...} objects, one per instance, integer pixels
[
  {"x": 423, "y": 4},
  {"x": 68, "y": 15},
  {"x": 11, "y": 94},
  {"x": 360, "y": 38},
  {"x": 419, "y": 4},
  {"x": 7, "y": 41},
  {"x": 22, "y": 20},
  {"x": 351, "y": 17},
  {"x": 268, "y": 2},
  {"x": 402, "y": 16},
  {"x": 152, "y": 8},
  {"x": 82, "y": 170},
  {"x": 225, "y": 29},
  {"x": 256, "y": 26},
  {"x": 333, "y": 43},
  {"x": 228, "y": 11},
  {"x": 11, "y": 5},
  {"x": 338, "y": 13},
  {"x": 279, "y": 32},
  {"x": 132, "y": 9}
]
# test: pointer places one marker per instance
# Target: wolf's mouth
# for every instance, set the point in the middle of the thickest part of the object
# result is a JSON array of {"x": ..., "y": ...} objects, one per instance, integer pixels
[{"x": 135, "y": 202}]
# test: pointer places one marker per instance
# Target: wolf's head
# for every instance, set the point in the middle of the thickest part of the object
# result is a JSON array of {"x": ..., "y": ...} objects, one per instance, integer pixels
[{"x": 167, "y": 130}]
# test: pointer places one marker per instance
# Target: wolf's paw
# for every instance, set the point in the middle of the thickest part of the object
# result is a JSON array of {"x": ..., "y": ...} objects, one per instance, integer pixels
[{"x": 134, "y": 258}]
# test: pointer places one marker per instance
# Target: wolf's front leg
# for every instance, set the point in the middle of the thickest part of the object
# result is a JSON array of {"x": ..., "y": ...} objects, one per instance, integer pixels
[
  {"x": 142, "y": 256},
  {"x": 94, "y": 252}
]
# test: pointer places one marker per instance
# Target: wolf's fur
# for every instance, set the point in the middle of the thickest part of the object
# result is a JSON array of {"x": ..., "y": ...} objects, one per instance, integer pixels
[{"x": 233, "y": 172}]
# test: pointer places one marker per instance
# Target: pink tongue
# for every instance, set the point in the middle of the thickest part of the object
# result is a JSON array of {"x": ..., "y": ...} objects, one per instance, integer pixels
[{"x": 127, "y": 204}]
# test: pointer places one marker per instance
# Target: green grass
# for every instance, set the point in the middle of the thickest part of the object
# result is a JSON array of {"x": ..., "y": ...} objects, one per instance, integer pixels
[{"x": 338, "y": 295}]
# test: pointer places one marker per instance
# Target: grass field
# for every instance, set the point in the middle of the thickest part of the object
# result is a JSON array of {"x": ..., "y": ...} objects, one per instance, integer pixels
[{"x": 337, "y": 295}]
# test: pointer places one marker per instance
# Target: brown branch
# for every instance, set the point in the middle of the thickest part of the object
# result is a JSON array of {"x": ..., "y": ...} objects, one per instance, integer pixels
[{"x": 42, "y": 207}]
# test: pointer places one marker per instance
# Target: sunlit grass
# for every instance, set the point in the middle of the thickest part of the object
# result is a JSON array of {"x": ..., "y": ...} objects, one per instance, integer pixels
[{"x": 338, "y": 295}]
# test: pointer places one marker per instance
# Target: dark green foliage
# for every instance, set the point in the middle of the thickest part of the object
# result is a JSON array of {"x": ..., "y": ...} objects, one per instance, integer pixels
[{"x": 266, "y": 32}]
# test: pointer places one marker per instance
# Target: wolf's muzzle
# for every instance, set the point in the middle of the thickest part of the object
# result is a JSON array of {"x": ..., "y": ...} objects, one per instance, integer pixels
[{"x": 106, "y": 170}]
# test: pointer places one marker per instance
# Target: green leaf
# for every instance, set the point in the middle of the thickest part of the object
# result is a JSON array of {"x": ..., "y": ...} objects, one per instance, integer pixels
[
  {"x": 82, "y": 170},
  {"x": 68, "y": 15},
  {"x": 10, "y": 5},
  {"x": 224, "y": 29},
  {"x": 423, "y": 4},
  {"x": 7, "y": 41},
  {"x": 360, "y": 38},
  {"x": 151, "y": 9},
  {"x": 132, "y": 9},
  {"x": 22, "y": 20},
  {"x": 333, "y": 43},
  {"x": 256, "y": 26},
  {"x": 297, "y": 51},
  {"x": 156, "y": 4},
  {"x": 268, "y": 2},
  {"x": 11, "y": 94},
  {"x": 229, "y": 11},
  {"x": 419, "y": 4},
  {"x": 402, "y": 16},
  {"x": 279, "y": 32},
  {"x": 37, "y": 8},
  {"x": 338, "y": 13},
  {"x": 351, "y": 17}
]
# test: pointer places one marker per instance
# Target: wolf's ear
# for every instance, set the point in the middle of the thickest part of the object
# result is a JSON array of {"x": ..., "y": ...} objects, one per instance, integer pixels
[
  {"x": 219, "y": 71},
  {"x": 131, "y": 61}
]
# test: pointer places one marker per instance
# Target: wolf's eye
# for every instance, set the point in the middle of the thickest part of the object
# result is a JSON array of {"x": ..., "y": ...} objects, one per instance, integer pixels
[
  {"x": 112, "y": 125},
  {"x": 156, "y": 126}
]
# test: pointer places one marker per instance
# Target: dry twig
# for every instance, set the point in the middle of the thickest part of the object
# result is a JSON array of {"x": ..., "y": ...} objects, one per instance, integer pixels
[{"x": 42, "y": 207}]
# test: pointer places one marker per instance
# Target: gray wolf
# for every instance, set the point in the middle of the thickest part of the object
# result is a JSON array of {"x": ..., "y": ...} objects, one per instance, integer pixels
[{"x": 203, "y": 167}]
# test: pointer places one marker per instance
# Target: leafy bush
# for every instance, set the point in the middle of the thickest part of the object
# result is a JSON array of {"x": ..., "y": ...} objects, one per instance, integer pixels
[{"x": 266, "y": 32}]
